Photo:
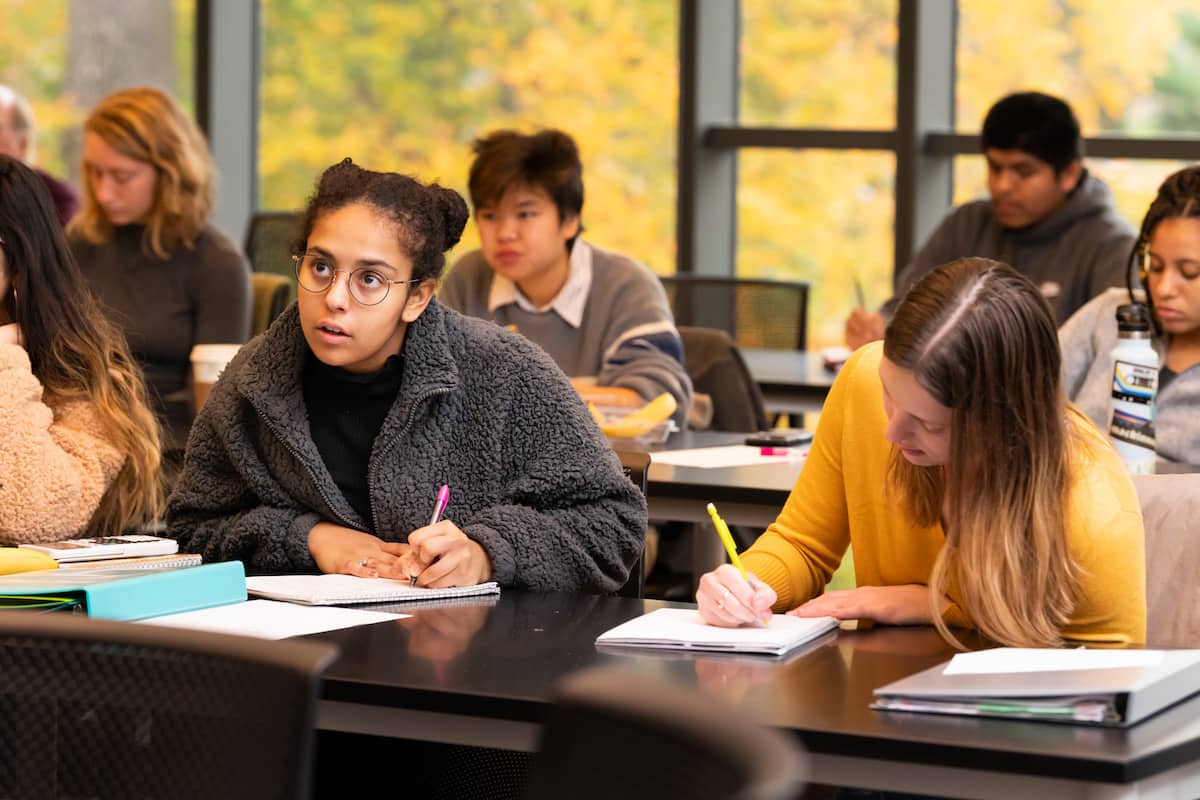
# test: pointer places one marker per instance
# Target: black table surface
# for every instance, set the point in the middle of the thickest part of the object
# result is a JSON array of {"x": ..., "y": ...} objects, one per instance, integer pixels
[{"x": 501, "y": 659}]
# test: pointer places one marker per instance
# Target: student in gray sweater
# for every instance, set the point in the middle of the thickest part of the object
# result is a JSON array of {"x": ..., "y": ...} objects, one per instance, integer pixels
[
  {"x": 1168, "y": 260},
  {"x": 602, "y": 317},
  {"x": 325, "y": 440},
  {"x": 1047, "y": 216}
]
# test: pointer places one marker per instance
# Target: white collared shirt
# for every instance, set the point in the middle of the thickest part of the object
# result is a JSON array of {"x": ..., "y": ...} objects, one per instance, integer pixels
[{"x": 571, "y": 298}]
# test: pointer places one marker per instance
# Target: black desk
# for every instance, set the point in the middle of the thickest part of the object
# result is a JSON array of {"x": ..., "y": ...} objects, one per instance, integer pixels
[
  {"x": 481, "y": 675},
  {"x": 792, "y": 381}
]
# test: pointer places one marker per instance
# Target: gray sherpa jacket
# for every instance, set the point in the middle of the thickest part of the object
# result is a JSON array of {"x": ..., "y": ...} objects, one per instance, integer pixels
[{"x": 531, "y": 478}]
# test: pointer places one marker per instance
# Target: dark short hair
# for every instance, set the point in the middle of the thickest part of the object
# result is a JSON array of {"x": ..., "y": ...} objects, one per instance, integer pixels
[
  {"x": 429, "y": 219},
  {"x": 546, "y": 160},
  {"x": 1041, "y": 125}
]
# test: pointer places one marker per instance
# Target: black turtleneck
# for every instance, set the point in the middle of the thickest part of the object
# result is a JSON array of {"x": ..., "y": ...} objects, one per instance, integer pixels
[{"x": 345, "y": 412}]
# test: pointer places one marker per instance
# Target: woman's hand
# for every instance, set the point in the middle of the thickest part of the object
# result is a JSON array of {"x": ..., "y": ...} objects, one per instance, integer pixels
[
  {"x": 727, "y": 601},
  {"x": 351, "y": 552},
  {"x": 11, "y": 334},
  {"x": 441, "y": 555},
  {"x": 891, "y": 605}
]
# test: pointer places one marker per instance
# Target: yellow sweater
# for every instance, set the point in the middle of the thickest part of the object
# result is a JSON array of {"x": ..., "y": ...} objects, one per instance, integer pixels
[{"x": 839, "y": 500}]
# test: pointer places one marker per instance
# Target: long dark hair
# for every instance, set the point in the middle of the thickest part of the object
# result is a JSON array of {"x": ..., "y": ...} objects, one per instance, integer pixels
[
  {"x": 1178, "y": 198},
  {"x": 74, "y": 351}
]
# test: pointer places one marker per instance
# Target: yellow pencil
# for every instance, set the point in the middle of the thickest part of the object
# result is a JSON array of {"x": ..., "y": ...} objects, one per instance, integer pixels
[
  {"x": 727, "y": 540},
  {"x": 731, "y": 548}
]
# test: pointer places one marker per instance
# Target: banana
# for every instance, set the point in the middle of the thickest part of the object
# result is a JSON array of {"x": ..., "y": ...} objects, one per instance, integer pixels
[
  {"x": 640, "y": 422},
  {"x": 18, "y": 559},
  {"x": 596, "y": 415}
]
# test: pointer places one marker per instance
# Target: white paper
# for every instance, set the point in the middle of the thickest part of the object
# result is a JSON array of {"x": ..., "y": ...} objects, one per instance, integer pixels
[
  {"x": 1008, "y": 660},
  {"x": 683, "y": 628},
  {"x": 271, "y": 619},
  {"x": 735, "y": 455}
]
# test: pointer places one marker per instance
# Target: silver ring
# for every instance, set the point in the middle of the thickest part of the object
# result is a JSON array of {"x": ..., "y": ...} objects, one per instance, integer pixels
[
  {"x": 363, "y": 563},
  {"x": 724, "y": 596}
]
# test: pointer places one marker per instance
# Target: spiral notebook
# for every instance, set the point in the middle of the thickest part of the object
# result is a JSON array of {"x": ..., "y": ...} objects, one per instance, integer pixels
[
  {"x": 682, "y": 629},
  {"x": 341, "y": 590}
]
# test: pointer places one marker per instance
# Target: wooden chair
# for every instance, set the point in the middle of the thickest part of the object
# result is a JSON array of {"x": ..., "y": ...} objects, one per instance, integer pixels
[{"x": 94, "y": 708}]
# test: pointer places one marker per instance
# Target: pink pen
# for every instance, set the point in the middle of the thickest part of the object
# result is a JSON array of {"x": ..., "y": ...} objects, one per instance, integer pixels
[
  {"x": 439, "y": 508},
  {"x": 774, "y": 451}
]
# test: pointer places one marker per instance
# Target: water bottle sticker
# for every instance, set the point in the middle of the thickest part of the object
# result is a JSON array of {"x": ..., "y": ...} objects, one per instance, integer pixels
[
  {"x": 1130, "y": 427},
  {"x": 1136, "y": 383}
]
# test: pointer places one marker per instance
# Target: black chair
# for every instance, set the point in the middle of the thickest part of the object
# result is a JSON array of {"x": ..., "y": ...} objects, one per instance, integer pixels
[
  {"x": 756, "y": 313},
  {"x": 715, "y": 365},
  {"x": 269, "y": 238},
  {"x": 635, "y": 464},
  {"x": 615, "y": 733},
  {"x": 93, "y": 708},
  {"x": 272, "y": 294}
]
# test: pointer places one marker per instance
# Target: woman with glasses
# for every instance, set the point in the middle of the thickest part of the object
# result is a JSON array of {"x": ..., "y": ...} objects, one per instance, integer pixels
[
  {"x": 166, "y": 276},
  {"x": 972, "y": 494},
  {"x": 78, "y": 442},
  {"x": 1167, "y": 260},
  {"x": 325, "y": 441}
]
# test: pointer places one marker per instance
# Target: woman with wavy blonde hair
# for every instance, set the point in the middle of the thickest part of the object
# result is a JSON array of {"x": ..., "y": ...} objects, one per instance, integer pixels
[
  {"x": 971, "y": 493},
  {"x": 79, "y": 446},
  {"x": 143, "y": 241}
]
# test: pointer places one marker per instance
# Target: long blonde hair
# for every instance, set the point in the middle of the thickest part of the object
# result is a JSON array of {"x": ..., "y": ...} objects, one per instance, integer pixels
[
  {"x": 147, "y": 125},
  {"x": 981, "y": 340},
  {"x": 74, "y": 351}
]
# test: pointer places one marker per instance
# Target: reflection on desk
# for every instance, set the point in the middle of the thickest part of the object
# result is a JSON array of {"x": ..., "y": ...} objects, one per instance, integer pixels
[{"x": 495, "y": 690}]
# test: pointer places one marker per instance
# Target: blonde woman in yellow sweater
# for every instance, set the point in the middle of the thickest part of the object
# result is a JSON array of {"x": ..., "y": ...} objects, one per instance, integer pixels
[
  {"x": 78, "y": 443},
  {"x": 972, "y": 494}
]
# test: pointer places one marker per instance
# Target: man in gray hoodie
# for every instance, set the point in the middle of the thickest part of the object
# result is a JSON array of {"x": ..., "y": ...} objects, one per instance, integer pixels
[{"x": 1047, "y": 216}]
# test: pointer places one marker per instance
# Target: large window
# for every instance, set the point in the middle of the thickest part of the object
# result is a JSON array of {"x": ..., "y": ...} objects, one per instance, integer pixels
[
  {"x": 819, "y": 215},
  {"x": 66, "y": 55},
  {"x": 1129, "y": 70},
  {"x": 408, "y": 86},
  {"x": 856, "y": 121}
]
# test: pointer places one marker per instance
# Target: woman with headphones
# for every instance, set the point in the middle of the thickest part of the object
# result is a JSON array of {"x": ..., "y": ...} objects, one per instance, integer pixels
[{"x": 1167, "y": 255}]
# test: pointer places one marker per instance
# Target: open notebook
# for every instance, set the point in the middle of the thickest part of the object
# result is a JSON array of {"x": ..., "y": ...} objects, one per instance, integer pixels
[
  {"x": 681, "y": 629},
  {"x": 340, "y": 590}
]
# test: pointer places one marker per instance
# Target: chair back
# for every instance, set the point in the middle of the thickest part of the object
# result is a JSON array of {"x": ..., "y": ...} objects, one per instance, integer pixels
[
  {"x": 616, "y": 733},
  {"x": 1170, "y": 507},
  {"x": 635, "y": 464},
  {"x": 717, "y": 369},
  {"x": 756, "y": 313},
  {"x": 272, "y": 294},
  {"x": 269, "y": 238},
  {"x": 94, "y": 708}
]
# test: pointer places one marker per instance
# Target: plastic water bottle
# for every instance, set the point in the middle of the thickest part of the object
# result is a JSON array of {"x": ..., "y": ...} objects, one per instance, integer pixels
[{"x": 1134, "y": 385}]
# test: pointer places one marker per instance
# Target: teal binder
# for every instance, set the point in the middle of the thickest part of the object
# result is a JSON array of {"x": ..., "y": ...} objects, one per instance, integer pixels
[{"x": 133, "y": 594}]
